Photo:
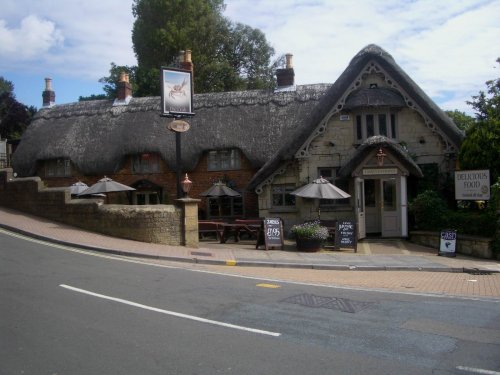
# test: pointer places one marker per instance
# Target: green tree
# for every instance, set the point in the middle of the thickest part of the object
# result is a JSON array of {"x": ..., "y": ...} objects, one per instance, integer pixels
[
  {"x": 481, "y": 147},
  {"x": 14, "y": 116},
  {"x": 461, "y": 119},
  {"x": 226, "y": 56}
]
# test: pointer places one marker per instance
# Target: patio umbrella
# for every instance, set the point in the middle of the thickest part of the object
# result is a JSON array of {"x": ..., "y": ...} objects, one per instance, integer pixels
[
  {"x": 106, "y": 185},
  {"x": 78, "y": 187},
  {"x": 219, "y": 190},
  {"x": 320, "y": 189}
]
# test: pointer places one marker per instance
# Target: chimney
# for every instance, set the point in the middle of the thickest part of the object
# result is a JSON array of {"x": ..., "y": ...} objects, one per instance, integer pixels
[
  {"x": 187, "y": 64},
  {"x": 286, "y": 77},
  {"x": 123, "y": 90},
  {"x": 49, "y": 96}
]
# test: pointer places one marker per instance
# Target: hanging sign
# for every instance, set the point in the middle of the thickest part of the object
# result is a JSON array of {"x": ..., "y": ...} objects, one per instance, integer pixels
[
  {"x": 176, "y": 92},
  {"x": 345, "y": 235},
  {"x": 178, "y": 126},
  {"x": 272, "y": 234}
]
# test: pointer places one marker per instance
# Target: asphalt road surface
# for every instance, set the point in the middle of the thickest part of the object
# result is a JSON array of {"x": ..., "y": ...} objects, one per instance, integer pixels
[{"x": 70, "y": 312}]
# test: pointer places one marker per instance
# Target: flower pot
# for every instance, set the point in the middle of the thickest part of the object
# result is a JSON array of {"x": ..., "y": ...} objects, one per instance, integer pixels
[{"x": 309, "y": 244}]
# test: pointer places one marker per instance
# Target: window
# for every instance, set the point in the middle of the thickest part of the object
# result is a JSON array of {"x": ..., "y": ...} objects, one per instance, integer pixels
[
  {"x": 370, "y": 124},
  {"x": 225, "y": 206},
  {"x": 146, "y": 163},
  {"x": 282, "y": 197},
  {"x": 219, "y": 160},
  {"x": 330, "y": 174},
  {"x": 58, "y": 168}
]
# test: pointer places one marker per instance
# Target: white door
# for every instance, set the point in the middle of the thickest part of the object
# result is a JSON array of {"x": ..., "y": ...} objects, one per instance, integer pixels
[
  {"x": 360, "y": 207},
  {"x": 390, "y": 211}
]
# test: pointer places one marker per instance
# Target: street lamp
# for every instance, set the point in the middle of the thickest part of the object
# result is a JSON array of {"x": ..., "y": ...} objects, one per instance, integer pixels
[{"x": 186, "y": 185}]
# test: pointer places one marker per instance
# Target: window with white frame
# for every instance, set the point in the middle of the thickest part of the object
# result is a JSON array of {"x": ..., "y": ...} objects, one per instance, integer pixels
[
  {"x": 146, "y": 163},
  {"x": 281, "y": 195},
  {"x": 375, "y": 123},
  {"x": 330, "y": 174},
  {"x": 58, "y": 168},
  {"x": 223, "y": 160}
]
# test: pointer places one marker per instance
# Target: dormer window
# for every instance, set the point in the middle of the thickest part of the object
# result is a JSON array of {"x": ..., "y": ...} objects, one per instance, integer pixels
[
  {"x": 223, "y": 160},
  {"x": 375, "y": 123},
  {"x": 58, "y": 168},
  {"x": 146, "y": 163}
]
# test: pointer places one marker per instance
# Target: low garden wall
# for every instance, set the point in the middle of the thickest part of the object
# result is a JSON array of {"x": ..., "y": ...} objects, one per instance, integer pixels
[
  {"x": 165, "y": 224},
  {"x": 475, "y": 246}
]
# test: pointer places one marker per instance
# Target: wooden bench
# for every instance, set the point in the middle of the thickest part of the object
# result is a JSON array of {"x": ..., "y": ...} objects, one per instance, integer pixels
[{"x": 212, "y": 227}]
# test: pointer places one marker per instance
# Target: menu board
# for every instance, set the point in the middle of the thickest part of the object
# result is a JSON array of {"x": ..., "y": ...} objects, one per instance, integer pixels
[
  {"x": 345, "y": 235},
  {"x": 272, "y": 233}
]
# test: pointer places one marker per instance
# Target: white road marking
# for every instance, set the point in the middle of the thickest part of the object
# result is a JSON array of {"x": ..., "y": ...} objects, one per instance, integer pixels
[
  {"x": 172, "y": 313},
  {"x": 477, "y": 370}
]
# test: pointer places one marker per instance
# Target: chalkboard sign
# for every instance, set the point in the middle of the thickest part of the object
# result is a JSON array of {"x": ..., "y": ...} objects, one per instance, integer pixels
[
  {"x": 271, "y": 234},
  {"x": 345, "y": 235},
  {"x": 448, "y": 243}
]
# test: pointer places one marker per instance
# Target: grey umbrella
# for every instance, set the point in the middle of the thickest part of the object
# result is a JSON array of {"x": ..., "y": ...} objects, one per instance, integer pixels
[
  {"x": 78, "y": 187},
  {"x": 105, "y": 185},
  {"x": 320, "y": 189},
  {"x": 219, "y": 190}
]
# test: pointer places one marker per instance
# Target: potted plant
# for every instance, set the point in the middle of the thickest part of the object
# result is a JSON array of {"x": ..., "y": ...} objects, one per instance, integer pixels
[{"x": 309, "y": 236}]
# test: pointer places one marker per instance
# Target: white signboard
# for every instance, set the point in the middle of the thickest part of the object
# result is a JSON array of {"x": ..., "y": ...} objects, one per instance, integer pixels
[
  {"x": 472, "y": 185},
  {"x": 176, "y": 92},
  {"x": 448, "y": 242}
]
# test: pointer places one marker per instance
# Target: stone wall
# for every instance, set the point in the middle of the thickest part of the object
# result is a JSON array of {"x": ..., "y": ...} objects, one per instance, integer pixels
[
  {"x": 157, "y": 223},
  {"x": 475, "y": 246}
]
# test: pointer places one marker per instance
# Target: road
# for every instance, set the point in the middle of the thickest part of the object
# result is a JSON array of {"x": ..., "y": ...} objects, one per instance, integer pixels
[{"x": 66, "y": 311}]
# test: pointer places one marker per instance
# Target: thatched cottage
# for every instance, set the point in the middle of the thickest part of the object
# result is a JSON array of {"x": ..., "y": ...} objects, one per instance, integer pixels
[{"x": 374, "y": 133}]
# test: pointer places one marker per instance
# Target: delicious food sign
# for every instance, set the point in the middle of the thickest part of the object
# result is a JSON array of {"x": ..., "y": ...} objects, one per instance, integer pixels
[{"x": 472, "y": 185}]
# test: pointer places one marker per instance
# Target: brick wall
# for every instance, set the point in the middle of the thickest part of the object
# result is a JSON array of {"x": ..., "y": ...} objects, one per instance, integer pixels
[{"x": 157, "y": 223}]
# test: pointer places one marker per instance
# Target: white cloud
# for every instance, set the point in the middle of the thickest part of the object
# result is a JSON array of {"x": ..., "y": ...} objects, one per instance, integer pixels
[
  {"x": 33, "y": 37},
  {"x": 448, "y": 47},
  {"x": 86, "y": 37}
]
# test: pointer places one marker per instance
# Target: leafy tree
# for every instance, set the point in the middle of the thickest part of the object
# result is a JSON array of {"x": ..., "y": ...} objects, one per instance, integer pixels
[
  {"x": 461, "y": 119},
  {"x": 226, "y": 56},
  {"x": 14, "y": 116},
  {"x": 481, "y": 147}
]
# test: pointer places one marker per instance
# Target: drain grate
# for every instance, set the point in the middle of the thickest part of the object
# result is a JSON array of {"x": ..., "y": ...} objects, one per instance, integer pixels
[
  {"x": 333, "y": 303},
  {"x": 487, "y": 273}
]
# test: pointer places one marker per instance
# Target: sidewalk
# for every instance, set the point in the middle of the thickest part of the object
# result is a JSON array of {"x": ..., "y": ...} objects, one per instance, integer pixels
[{"x": 372, "y": 254}]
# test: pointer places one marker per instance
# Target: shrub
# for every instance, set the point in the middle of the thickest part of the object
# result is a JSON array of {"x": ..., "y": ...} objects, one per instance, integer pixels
[{"x": 429, "y": 210}]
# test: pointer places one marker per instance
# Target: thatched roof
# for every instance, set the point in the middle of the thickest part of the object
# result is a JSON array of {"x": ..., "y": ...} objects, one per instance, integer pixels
[
  {"x": 97, "y": 136},
  {"x": 333, "y": 100},
  {"x": 374, "y": 97},
  {"x": 376, "y": 142}
]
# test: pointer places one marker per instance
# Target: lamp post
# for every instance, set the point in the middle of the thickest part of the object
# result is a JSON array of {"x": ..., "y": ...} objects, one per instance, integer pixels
[{"x": 186, "y": 185}]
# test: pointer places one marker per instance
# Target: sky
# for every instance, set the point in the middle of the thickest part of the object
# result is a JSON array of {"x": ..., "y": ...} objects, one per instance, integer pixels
[{"x": 448, "y": 47}]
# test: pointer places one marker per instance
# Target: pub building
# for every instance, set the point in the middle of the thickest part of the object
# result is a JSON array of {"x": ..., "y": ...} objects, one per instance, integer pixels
[{"x": 373, "y": 133}]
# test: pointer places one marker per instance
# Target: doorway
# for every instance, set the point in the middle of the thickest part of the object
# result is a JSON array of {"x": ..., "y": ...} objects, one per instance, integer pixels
[{"x": 383, "y": 198}]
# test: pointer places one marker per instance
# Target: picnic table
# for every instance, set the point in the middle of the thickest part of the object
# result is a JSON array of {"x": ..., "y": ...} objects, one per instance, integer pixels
[{"x": 250, "y": 227}]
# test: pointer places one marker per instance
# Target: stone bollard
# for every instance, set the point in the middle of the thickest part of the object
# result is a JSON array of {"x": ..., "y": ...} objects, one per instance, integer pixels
[{"x": 189, "y": 221}]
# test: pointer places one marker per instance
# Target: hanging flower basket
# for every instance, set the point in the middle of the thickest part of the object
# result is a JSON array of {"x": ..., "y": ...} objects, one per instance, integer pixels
[{"x": 309, "y": 236}]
